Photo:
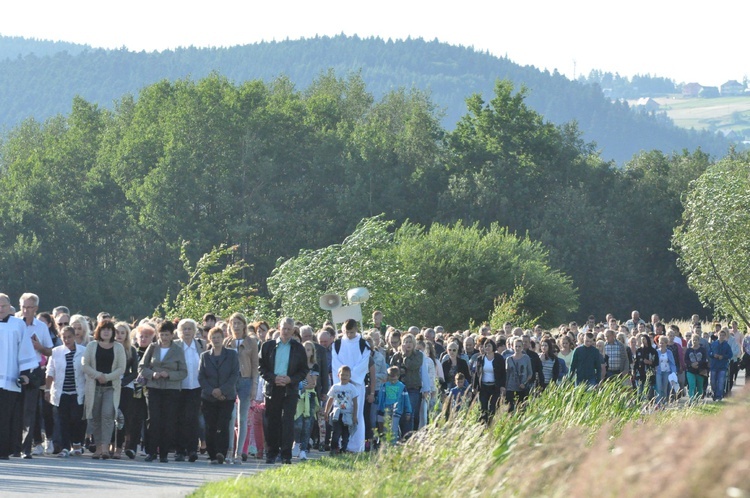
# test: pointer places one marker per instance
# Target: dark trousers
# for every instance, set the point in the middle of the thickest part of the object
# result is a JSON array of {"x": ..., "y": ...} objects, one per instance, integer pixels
[
  {"x": 138, "y": 414},
  {"x": 217, "y": 415},
  {"x": 162, "y": 416},
  {"x": 72, "y": 425},
  {"x": 25, "y": 418},
  {"x": 126, "y": 407},
  {"x": 187, "y": 424},
  {"x": 488, "y": 400},
  {"x": 515, "y": 398},
  {"x": 8, "y": 401},
  {"x": 340, "y": 431},
  {"x": 278, "y": 422},
  {"x": 47, "y": 416}
]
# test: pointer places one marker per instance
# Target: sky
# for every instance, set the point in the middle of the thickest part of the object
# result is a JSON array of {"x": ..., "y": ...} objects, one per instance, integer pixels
[{"x": 686, "y": 41}]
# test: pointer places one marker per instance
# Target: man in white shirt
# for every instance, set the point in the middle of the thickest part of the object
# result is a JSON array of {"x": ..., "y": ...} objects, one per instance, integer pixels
[
  {"x": 17, "y": 359},
  {"x": 37, "y": 332}
]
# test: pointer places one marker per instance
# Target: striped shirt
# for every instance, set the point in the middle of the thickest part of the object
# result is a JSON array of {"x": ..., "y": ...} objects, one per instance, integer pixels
[{"x": 69, "y": 384}]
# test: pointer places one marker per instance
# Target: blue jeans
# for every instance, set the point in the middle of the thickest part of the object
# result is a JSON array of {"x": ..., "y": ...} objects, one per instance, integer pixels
[
  {"x": 302, "y": 430},
  {"x": 412, "y": 424},
  {"x": 244, "y": 385},
  {"x": 662, "y": 386},
  {"x": 718, "y": 380}
]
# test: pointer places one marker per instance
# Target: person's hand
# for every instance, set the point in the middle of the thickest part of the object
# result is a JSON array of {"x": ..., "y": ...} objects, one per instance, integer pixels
[
  {"x": 24, "y": 379},
  {"x": 101, "y": 379},
  {"x": 216, "y": 393},
  {"x": 35, "y": 342},
  {"x": 165, "y": 375},
  {"x": 47, "y": 396}
]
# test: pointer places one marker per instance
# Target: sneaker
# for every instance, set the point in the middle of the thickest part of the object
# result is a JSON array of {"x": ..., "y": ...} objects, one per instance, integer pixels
[
  {"x": 26, "y": 456},
  {"x": 303, "y": 455},
  {"x": 179, "y": 458},
  {"x": 63, "y": 454},
  {"x": 192, "y": 457},
  {"x": 237, "y": 461},
  {"x": 38, "y": 450},
  {"x": 295, "y": 450},
  {"x": 244, "y": 457},
  {"x": 130, "y": 454}
]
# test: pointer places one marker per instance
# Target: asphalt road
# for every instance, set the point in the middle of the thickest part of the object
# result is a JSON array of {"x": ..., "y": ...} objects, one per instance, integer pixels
[{"x": 82, "y": 476}]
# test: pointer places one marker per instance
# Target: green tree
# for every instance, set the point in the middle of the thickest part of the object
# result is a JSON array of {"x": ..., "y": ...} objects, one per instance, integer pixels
[
  {"x": 361, "y": 260},
  {"x": 214, "y": 285},
  {"x": 460, "y": 271},
  {"x": 712, "y": 241}
]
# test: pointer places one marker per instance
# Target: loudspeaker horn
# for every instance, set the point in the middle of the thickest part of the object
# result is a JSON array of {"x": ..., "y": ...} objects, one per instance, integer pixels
[{"x": 330, "y": 302}]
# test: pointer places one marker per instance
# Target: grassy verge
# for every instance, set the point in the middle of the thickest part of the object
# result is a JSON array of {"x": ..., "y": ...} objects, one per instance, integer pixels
[{"x": 530, "y": 454}]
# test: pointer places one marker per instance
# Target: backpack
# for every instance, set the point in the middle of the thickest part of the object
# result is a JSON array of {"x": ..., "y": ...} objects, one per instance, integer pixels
[{"x": 362, "y": 345}]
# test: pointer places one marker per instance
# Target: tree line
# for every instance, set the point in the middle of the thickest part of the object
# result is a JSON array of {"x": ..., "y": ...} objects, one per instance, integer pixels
[
  {"x": 42, "y": 84},
  {"x": 97, "y": 203}
]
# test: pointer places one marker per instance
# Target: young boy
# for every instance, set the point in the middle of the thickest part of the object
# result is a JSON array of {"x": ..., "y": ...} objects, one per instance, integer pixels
[
  {"x": 458, "y": 393},
  {"x": 394, "y": 402},
  {"x": 341, "y": 408}
]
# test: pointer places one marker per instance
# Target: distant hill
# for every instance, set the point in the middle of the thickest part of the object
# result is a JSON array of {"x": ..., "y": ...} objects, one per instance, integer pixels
[
  {"x": 12, "y": 47},
  {"x": 43, "y": 81}
]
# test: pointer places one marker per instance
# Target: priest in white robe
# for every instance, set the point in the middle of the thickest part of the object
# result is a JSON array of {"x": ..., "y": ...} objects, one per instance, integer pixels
[
  {"x": 353, "y": 351},
  {"x": 17, "y": 359}
]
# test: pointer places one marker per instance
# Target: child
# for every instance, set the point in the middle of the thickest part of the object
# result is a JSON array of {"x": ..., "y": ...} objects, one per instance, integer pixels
[
  {"x": 340, "y": 409},
  {"x": 394, "y": 402},
  {"x": 307, "y": 405},
  {"x": 458, "y": 393},
  {"x": 254, "y": 438}
]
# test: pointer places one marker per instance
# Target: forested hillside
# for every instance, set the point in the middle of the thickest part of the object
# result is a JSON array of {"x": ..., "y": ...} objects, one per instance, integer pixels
[
  {"x": 95, "y": 203},
  {"x": 42, "y": 85}
]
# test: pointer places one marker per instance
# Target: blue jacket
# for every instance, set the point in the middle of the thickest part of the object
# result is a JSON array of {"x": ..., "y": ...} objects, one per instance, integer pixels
[
  {"x": 400, "y": 407},
  {"x": 722, "y": 349}
]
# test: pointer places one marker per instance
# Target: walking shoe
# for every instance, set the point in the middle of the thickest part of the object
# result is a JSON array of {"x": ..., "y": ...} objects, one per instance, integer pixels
[
  {"x": 220, "y": 458},
  {"x": 164, "y": 460},
  {"x": 38, "y": 450},
  {"x": 244, "y": 457},
  {"x": 179, "y": 458},
  {"x": 295, "y": 450},
  {"x": 192, "y": 457},
  {"x": 303, "y": 455},
  {"x": 63, "y": 454},
  {"x": 26, "y": 456},
  {"x": 286, "y": 461},
  {"x": 130, "y": 454},
  {"x": 150, "y": 458}
]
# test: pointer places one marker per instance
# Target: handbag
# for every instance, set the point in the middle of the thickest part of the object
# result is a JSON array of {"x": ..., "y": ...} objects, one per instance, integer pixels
[{"x": 36, "y": 378}]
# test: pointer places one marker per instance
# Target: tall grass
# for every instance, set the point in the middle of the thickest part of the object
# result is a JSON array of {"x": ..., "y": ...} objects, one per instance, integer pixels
[{"x": 531, "y": 452}]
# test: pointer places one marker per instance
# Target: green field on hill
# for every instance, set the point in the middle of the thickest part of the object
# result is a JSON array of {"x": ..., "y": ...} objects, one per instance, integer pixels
[{"x": 723, "y": 113}]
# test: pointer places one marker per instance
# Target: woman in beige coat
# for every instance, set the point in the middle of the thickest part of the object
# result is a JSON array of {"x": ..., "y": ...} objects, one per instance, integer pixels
[{"x": 103, "y": 366}]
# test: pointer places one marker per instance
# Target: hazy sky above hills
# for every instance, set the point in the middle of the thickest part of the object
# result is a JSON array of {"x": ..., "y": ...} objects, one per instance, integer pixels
[{"x": 682, "y": 40}]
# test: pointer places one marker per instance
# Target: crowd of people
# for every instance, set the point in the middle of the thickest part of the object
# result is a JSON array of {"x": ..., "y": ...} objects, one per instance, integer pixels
[{"x": 235, "y": 390}]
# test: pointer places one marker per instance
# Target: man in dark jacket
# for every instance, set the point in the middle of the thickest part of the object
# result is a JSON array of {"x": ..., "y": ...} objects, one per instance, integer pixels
[{"x": 282, "y": 364}]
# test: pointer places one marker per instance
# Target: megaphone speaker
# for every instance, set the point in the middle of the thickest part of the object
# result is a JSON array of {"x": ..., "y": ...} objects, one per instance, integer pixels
[{"x": 330, "y": 301}]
